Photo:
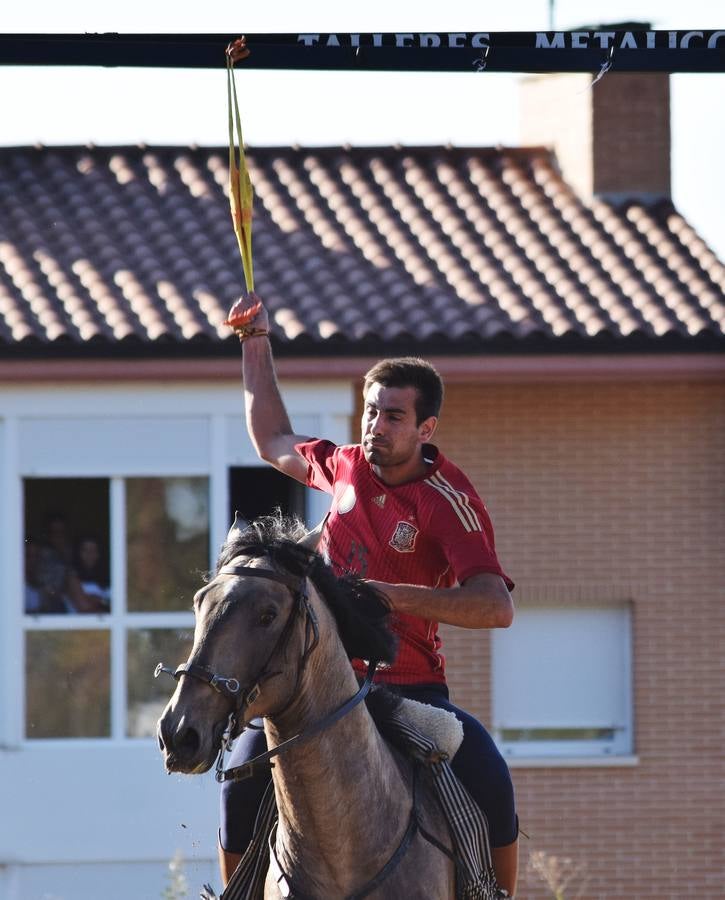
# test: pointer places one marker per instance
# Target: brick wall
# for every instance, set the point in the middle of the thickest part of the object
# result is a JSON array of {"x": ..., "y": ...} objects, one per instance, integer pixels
[{"x": 621, "y": 485}]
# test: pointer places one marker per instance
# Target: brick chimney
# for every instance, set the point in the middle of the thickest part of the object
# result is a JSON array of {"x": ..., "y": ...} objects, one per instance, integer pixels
[{"x": 612, "y": 139}]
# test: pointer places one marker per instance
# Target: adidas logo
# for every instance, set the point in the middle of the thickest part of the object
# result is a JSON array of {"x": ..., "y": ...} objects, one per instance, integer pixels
[{"x": 380, "y": 500}]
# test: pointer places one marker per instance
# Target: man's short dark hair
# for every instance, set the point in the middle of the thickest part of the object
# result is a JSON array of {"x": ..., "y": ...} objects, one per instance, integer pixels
[{"x": 410, "y": 371}]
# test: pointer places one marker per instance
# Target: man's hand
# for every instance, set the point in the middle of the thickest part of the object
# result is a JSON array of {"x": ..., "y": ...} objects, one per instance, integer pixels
[{"x": 248, "y": 317}]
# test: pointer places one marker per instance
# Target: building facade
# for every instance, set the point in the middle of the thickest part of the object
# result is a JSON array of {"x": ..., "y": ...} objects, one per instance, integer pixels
[{"x": 578, "y": 321}]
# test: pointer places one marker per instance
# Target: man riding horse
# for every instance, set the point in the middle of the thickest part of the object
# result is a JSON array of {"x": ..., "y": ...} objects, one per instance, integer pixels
[{"x": 407, "y": 519}]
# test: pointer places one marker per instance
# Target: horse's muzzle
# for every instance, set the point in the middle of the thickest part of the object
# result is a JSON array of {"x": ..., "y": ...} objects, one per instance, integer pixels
[
  {"x": 179, "y": 744},
  {"x": 182, "y": 747}
]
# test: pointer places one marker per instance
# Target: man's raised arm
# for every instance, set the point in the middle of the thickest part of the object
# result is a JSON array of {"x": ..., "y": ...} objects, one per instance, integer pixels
[{"x": 267, "y": 420}]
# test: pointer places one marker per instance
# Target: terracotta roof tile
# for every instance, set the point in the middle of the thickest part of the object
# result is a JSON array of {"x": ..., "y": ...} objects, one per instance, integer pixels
[{"x": 437, "y": 246}]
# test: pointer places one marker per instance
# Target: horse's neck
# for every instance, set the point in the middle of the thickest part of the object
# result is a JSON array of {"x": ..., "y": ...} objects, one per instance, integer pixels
[{"x": 340, "y": 793}]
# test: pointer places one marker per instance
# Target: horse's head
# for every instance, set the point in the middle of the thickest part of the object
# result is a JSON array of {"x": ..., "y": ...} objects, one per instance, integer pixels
[{"x": 257, "y": 623}]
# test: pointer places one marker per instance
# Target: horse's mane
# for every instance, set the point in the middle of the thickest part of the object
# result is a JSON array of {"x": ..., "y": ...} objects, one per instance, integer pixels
[{"x": 359, "y": 609}]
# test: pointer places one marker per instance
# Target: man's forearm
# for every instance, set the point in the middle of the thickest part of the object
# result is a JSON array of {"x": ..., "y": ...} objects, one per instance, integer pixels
[
  {"x": 482, "y": 602},
  {"x": 265, "y": 411}
]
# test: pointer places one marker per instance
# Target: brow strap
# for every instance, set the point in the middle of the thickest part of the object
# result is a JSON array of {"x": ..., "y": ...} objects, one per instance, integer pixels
[{"x": 293, "y": 582}]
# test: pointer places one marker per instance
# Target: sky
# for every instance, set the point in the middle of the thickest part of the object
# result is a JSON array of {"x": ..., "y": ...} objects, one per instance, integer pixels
[{"x": 69, "y": 105}]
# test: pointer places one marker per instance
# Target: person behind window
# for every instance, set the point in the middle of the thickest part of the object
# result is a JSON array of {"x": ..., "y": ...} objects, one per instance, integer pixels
[
  {"x": 46, "y": 579},
  {"x": 55, "y": 576},
  {"x": 58, "y": 537},
  {"x": 33, "y": 594},
  {"x": 92, "y": 573},
  {"x": 42, "y": 585}
]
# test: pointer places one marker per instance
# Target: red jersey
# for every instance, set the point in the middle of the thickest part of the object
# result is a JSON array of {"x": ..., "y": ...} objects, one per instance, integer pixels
[{"x": 433, "y": 531}]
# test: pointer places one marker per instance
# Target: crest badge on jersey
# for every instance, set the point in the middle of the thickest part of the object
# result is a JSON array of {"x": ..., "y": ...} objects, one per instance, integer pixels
[{"x": 403, "y": 539}]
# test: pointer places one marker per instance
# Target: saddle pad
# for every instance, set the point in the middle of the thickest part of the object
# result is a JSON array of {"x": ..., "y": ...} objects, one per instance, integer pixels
[{"x": 440, "y": 725}]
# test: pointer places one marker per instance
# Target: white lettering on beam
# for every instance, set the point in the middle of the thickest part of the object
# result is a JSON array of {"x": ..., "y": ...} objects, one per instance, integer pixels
[
  {"x": 453, "y": 39},
  {"x": 580, "y": 40},
  {"x": 543, "y": 42},
  {"x": 685, "y": 42}
]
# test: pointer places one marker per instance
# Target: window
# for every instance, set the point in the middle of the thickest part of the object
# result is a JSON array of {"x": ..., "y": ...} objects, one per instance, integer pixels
[
  {"x": 111, "y": 566},
  {"x": 562, "y": 682},
  {"x": 67, "y": 545}
]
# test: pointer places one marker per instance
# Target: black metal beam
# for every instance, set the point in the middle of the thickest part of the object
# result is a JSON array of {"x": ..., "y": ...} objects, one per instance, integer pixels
[{"x": 515, "y": 51}]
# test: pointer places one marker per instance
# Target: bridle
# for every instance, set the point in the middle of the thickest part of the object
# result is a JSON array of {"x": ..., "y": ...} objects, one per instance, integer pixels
[{"x": 242, "y": 698}]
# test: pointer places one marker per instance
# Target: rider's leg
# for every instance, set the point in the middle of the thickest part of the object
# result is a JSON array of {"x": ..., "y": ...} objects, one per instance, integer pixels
[
  {"x": 240, "y": 801},
  {"x": 484, "y": 773},
  {"x": 227, "y": 862},
  {"x": 506, "y": 865}
]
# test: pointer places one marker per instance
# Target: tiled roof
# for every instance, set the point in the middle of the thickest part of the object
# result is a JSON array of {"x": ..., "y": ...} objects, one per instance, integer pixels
[{"x": 111, "y": 249}]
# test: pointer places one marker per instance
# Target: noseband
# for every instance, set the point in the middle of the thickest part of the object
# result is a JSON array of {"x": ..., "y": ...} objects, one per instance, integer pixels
[{"x": 243, "y": 698}]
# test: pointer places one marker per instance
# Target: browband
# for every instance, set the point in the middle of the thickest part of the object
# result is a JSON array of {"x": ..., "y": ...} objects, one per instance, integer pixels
[{"x": 293, "y": 582}]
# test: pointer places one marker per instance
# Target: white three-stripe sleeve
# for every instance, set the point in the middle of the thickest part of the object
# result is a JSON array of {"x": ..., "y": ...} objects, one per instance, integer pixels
[{"x": 458, "y": 500}]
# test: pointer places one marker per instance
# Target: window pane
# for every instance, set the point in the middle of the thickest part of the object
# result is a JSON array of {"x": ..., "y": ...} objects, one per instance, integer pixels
[
  {"x": 67, "y": 677},
  {"x": 167, "y": 532},
  {"x": 66, "y": 545},
  {"x": 147, "y": 696}
]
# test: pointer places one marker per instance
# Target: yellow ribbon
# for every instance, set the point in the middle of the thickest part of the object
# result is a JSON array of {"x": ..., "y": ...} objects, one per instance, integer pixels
[{"x": 241, "y": 193}]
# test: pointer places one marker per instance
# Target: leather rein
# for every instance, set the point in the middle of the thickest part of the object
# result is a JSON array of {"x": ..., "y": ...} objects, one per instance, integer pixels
[{"x": 242, "y": 698}]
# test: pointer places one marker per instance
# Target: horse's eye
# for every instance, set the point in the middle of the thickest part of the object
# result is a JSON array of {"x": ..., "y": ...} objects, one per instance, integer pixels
[{"x": 268, "y": 617}]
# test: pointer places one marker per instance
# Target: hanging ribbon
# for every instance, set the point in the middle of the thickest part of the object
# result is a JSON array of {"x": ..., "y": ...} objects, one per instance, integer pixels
[{"x": 240, "y": 184}]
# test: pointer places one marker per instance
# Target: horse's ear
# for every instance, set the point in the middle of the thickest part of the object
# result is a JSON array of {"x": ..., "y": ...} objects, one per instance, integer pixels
[
  {"x": 311, "y": 540},
  {"x": 239, "y": 525}
]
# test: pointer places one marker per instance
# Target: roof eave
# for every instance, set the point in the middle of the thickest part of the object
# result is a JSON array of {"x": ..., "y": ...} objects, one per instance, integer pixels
[{"x": 460, "y": 368}]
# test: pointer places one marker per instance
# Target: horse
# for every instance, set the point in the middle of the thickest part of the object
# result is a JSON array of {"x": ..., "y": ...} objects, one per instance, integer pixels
[{"x": 275, "y": 630}]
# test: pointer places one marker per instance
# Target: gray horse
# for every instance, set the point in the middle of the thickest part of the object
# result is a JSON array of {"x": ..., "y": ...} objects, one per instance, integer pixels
[{"x": 275, "y": 631}]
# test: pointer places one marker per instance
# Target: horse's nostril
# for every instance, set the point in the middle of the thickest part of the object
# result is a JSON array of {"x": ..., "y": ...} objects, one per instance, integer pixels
[{"x": 187, "y": 742}]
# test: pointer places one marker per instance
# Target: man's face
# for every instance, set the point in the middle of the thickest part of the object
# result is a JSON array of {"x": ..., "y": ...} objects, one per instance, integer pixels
[
  {"x": 88, "y": 553},
  {"x": 391, "y": 436}
]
